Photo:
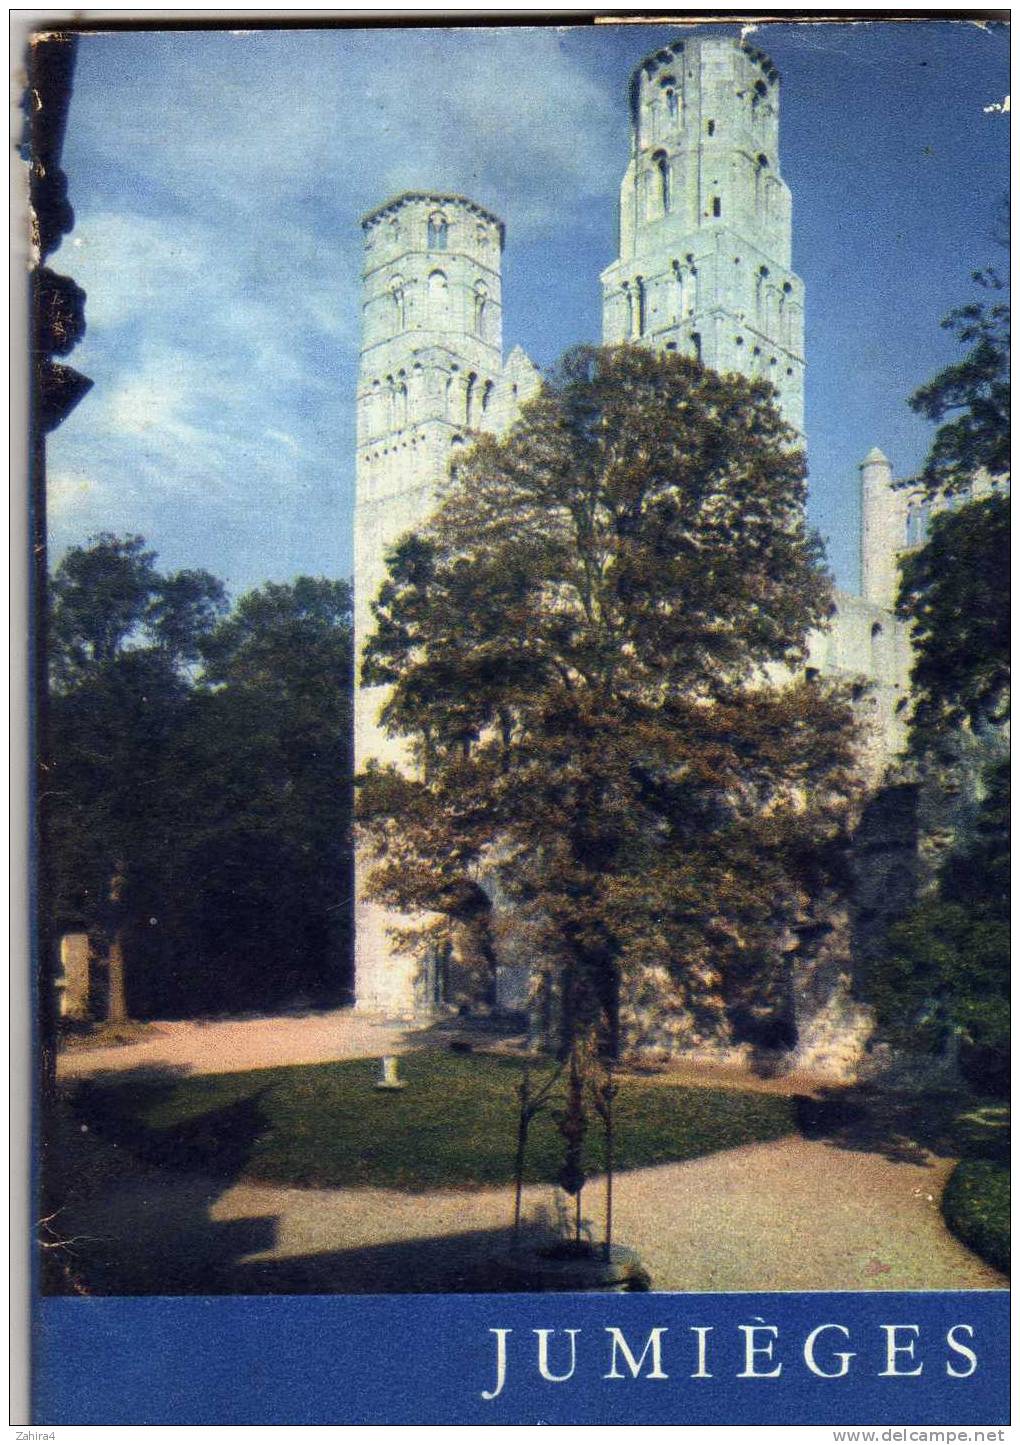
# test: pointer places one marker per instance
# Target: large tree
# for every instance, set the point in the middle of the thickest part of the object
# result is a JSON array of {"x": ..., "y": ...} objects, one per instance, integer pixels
[
  {"x": 970, "y": 398},
  {"x": 123, "y": 637},
  {"x": 596, "y": 650},
  {"x": 260, "y": 865},
  {"x": 200, "y": 792},
  {"x": 946, "y": 969},
  {"x": 955, "y": 588}
]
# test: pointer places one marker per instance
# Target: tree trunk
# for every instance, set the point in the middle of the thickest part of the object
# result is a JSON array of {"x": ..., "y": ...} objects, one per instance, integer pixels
[
  {"x": 116, "y": 997},
  {"x": 116, "y": 994}
]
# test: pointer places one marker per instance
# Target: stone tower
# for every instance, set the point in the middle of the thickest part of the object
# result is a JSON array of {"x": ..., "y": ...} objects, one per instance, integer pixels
[
  {"x": 705, "y": 219},
  {"x": 884, "y": 511},
  {"x": 431, "y": 362}
]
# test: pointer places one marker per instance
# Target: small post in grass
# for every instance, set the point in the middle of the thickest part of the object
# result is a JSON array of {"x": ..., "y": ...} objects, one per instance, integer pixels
[{"x": 388, "y": 1077}]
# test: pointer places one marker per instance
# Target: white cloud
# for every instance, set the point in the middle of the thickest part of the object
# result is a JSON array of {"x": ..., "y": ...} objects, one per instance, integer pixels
[
  {"x": 71, "y": 496},
  {"x": 285, "y": 440},
  {"x": 268, "y": 125},
  {"x": 218, "y": 181}
]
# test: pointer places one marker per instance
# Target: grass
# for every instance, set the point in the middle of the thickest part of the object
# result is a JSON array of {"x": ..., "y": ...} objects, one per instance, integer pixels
[
  {"x": 981, "y": 1131},
  {"x": 454, "y": 1126},
  {"x": 975, "y": 1205}
]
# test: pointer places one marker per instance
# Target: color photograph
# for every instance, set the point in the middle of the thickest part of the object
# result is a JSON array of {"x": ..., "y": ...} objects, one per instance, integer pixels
[{"x": 521, "y": 640}]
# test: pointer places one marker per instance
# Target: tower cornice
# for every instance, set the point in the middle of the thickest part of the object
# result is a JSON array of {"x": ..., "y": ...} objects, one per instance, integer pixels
[
  {"x": 669, "y": 54},
  {"x": 434, "y": 198}
]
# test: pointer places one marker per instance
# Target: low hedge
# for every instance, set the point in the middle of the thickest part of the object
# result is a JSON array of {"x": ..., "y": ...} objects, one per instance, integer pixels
[{"x": 975, "y": 1206}]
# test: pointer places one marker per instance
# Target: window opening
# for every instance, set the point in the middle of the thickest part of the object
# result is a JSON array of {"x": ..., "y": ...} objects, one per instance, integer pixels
[
  {"x": 438, "y": 231},
  {"x": 639, "y": 288}
]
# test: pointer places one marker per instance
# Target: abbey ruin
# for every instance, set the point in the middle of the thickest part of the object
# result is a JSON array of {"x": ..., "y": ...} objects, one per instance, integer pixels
[{"x": 704, "y": 268}]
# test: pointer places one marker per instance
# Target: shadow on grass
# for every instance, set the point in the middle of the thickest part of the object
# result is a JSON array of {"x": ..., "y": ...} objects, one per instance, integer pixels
[
  {"x": 471, "y": 1262},
  {"x": 126, "y": 1215},
  {"x": 123, "y": 1211},
  {"x": 907, "y": 1128}
]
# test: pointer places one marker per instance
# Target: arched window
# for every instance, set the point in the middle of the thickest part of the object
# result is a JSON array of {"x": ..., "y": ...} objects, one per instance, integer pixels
[
  {"x": 487, "y": 391},
  {"x": 917, "y": 523},
  {"x": 716, "y": 206},
  {"x": 469, "y": 398},
  {"x": 437, "y": 231},
  {"x": 761, "y": 167},
  {"x": 877, "y": 646},
  {"x": 686, "y": 288},
  {"x": 398, "y": 300},
  {"x": 760, "y": 286},
  {"x": 661, "y": 161},
  {"x": 481, "y": 298},
  {"x": 672, "y": 103},
  {"x": 437, "y": 296},
  {"x": 784, "y": 313},
  {"x": 640, "y": 306},
  {"x": 696, "y": 343},
  {"x": 416, "y": 390}
]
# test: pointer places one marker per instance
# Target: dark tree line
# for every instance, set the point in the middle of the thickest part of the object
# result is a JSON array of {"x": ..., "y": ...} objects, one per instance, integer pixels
[{"x": 200, "y": 789}]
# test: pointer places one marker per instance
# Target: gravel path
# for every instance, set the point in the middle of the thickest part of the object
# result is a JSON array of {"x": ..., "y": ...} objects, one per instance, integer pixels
[
  {"x": 792, "y": 1214},
  {"x": 219, "y": 1046},
  {"x": 787, "y": 1215}
]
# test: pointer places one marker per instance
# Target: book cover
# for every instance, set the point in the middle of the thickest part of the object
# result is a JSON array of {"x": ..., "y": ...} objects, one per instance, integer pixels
[{"x": 518, "y": 527}]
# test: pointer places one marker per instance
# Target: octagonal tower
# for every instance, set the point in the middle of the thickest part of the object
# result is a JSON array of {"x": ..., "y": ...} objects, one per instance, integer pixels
[
  {"x": 705, "y": 219},
  {"x": 431, "y": 360}
]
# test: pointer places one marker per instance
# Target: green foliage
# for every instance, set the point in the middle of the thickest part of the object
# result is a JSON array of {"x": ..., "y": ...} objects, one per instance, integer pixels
[
  {"x": 203, "y": 759},
  {"x": 107, "y": 599},
  {"x": 121, "y": 638},
  {"x": 956, "y": 587},
  {"x": 948, "y": 965},
  {"x": 974, "y": 393},
  {"x": 956, "y": 590},
  {"x": 975, "y": 1205},
  {"x": 327, "y": 1126},
  {"x": 259, "y": 783},
  {"x": 577, "y": 647}
]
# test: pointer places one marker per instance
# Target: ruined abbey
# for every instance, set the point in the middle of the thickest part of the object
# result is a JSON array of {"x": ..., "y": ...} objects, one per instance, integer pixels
[{"x": 704, "y": 268}]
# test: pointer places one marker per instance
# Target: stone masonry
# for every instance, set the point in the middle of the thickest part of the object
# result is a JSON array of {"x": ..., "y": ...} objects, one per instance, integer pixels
[{"x": 705, "y": 269}]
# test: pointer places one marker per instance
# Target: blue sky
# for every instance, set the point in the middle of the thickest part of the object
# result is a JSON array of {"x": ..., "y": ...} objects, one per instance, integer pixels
[{"x": 218, "y": 179}]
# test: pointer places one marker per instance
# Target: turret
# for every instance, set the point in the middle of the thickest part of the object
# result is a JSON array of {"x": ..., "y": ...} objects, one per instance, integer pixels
[
  {"x": 706, "y": 221},
  {"x": 883, "y": 530},
  {"x": 431, "y": 366},
  {"x": 432, "y": 313}
]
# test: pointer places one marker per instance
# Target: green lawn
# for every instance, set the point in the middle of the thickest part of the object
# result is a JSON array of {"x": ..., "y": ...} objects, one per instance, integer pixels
[
  {"x": 976, "y": 1208},
  {"x": 453, "y": 1126}
]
